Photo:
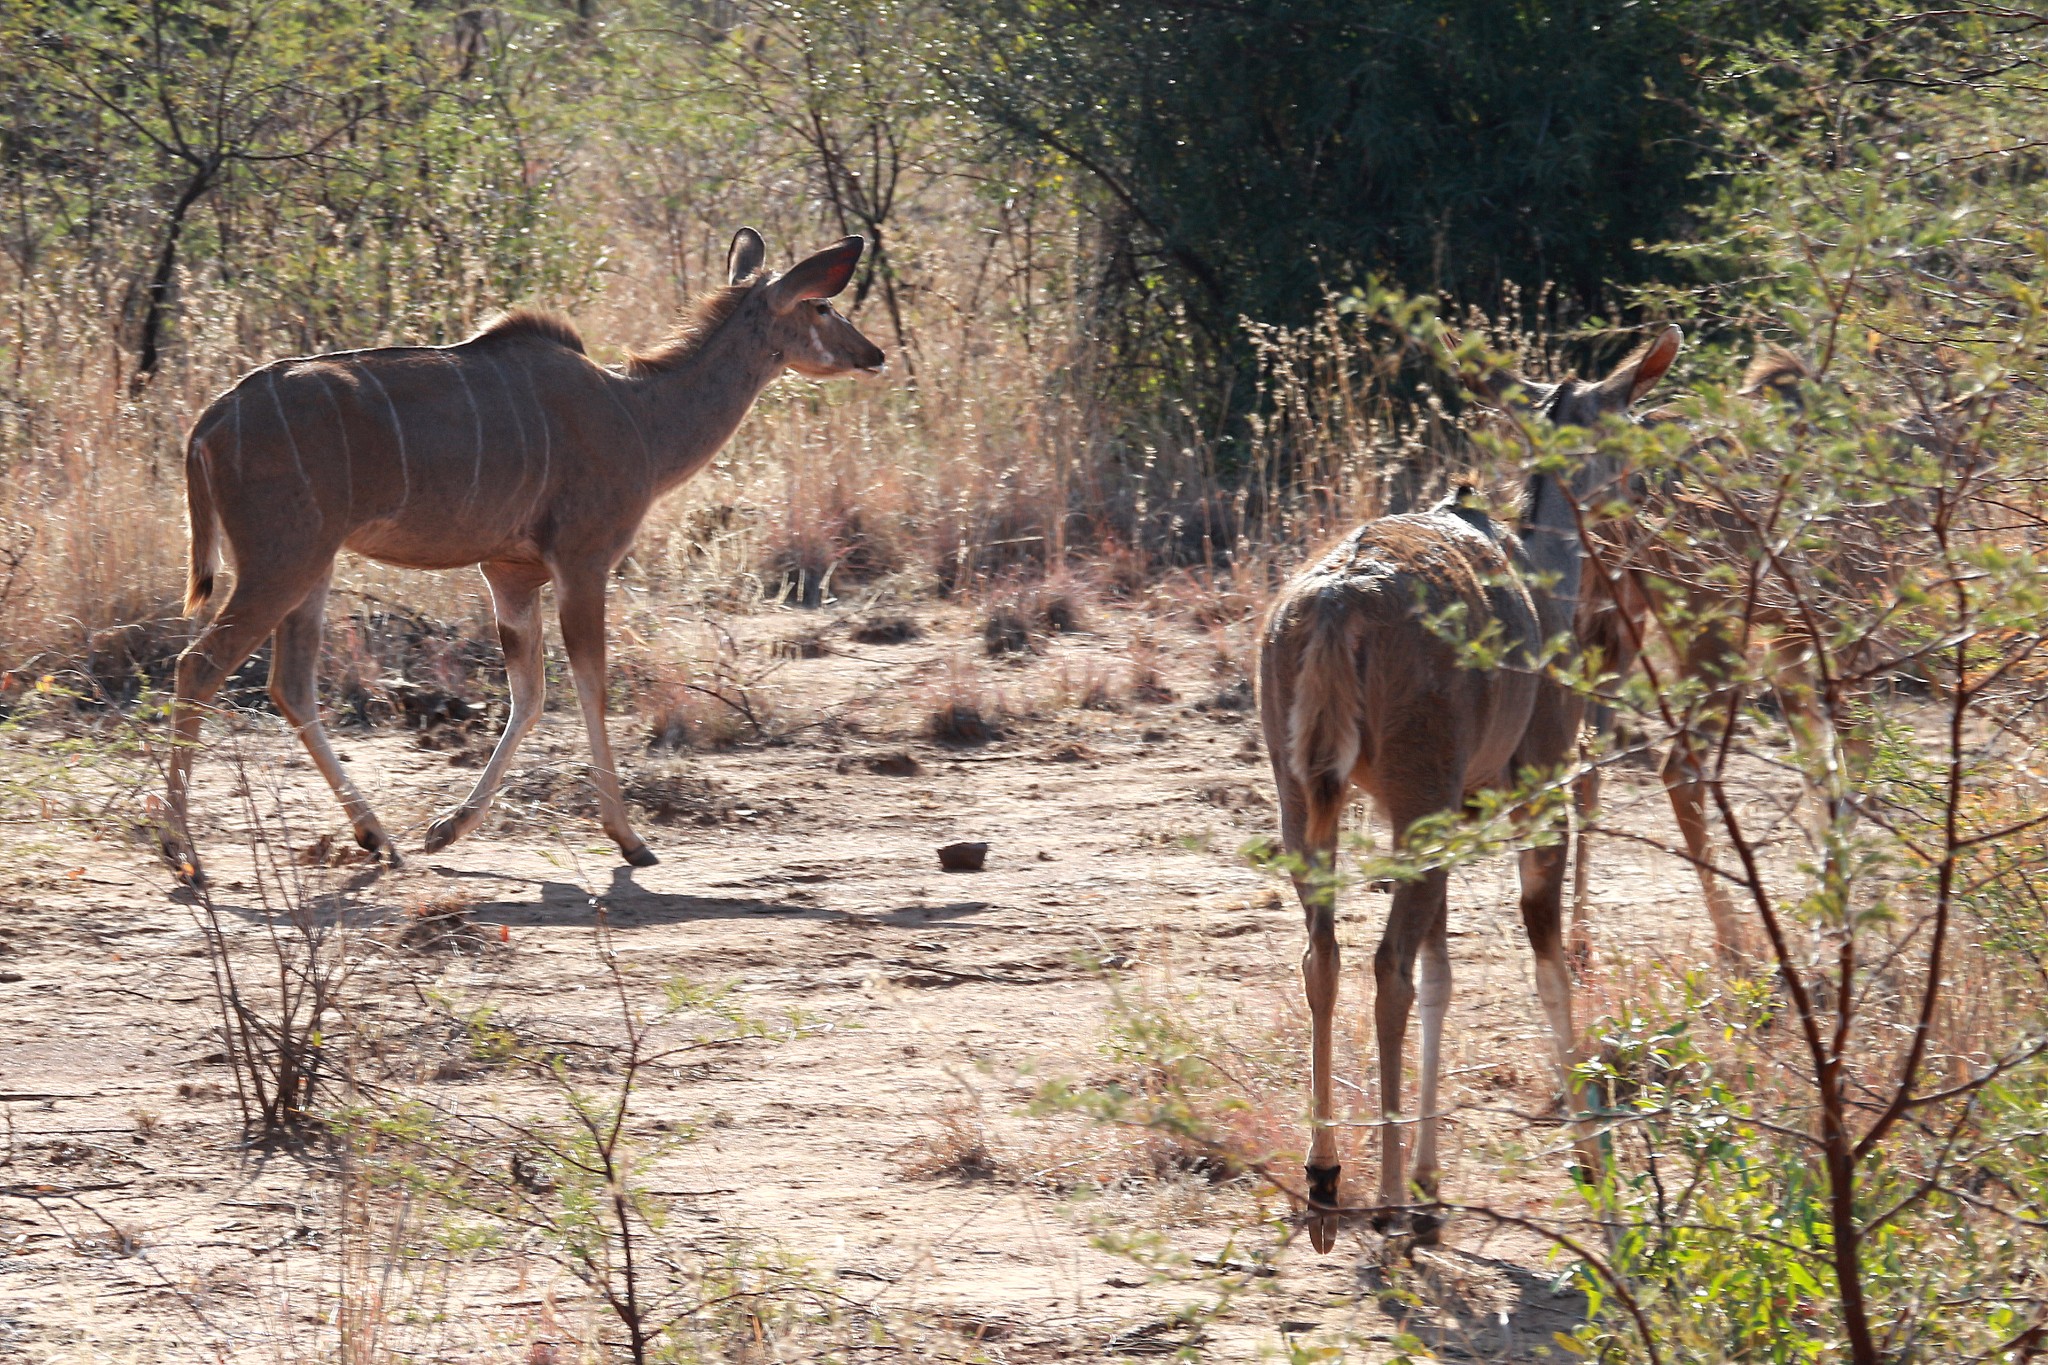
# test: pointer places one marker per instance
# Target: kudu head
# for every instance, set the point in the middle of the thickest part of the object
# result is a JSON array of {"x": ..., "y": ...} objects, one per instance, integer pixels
[
  {"x": 1575, "y": 402},
  {"x": 1550, "y": 521},
  {"x": 791, "y": 309}
]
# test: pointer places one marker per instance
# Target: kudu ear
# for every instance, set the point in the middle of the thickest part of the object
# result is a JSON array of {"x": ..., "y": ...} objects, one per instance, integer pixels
[
  {"x": 743, "y": 259},
  {"x": 819, "y": 277},
  {"x": 1638, "y": 374}
]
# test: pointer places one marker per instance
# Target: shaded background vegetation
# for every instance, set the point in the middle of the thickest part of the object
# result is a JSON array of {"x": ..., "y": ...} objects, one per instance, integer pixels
[{"x": 1082, "y": 218}]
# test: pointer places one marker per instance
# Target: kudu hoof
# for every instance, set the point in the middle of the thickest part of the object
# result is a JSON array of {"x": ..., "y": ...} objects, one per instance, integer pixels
[
  {"x": 184, "y": 864},
  {"x": 441, "y": 833},
  {"x": 1322, "y": 1200},
  {"x": 380, "y": 844},
  {"x": 643, "y": 856},
  {"x": 1426, "y": 1229}
]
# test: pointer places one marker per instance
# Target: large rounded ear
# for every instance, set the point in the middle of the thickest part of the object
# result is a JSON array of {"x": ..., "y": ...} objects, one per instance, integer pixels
[
  {"x": 744, "y": 257},
  {"x": 819, "y": 277},
  {"x": 1638, "y": 374}
]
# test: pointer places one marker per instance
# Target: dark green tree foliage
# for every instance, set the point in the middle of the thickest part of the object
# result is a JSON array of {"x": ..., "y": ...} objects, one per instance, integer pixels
[
  {"x": 1245, "y": 153},
  {"x": 361, "y": 167}
]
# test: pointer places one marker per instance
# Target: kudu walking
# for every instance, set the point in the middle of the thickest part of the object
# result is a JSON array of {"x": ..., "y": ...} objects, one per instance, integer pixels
[
  {"x": 1358, "y": 690},
  {"x": 512, "y": 450}
]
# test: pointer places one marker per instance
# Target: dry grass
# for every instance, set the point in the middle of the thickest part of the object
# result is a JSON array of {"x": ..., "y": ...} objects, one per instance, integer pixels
[{"x": 989, "y": 478}]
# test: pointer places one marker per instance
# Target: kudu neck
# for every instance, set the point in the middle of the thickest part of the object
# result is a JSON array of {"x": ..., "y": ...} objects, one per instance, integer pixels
[
  {"x": 693, "y": 405},
  {"x": 1550, "y": 535}
]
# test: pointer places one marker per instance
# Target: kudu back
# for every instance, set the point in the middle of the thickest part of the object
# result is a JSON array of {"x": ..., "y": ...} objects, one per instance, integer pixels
[
  {"x": 512, "y": 450},
  {"x": 1359, "y": 692}
]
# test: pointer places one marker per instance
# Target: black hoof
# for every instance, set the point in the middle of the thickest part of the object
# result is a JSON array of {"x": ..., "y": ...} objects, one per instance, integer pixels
[
  {"x": 1428, "y": 1229},
  {"x": 184, "y": 867},
  {"x": 1322, "y": 1185},
  {"x": 642, "y": 856}
]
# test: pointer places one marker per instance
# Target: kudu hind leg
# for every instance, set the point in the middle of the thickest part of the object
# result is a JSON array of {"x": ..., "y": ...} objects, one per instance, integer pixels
[
  {"x": 295, "y": 687},
  {"x": 515, "y": 598},
  {"x": 1417, "y": 912},
  {"x": 581, "y": 604},
  {"x": 253, "y": 610},
  {"x": 1308, "y": 830}
]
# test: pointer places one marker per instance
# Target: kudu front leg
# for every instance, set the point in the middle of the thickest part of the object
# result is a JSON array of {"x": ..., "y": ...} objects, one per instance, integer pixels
[
  {"x": 515, "y": 599},
  {"x": 295, "y": 687},
  {"x": 1585, "y": 800},
  {"x": 1542, "y": 918},
  {"x": 1689, "y": 807},
  {"x": 581, "y": 604}
]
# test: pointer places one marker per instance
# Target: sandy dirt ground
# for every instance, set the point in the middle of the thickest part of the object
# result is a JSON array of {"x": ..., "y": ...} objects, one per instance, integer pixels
[{"x": 135, "y": 1224}]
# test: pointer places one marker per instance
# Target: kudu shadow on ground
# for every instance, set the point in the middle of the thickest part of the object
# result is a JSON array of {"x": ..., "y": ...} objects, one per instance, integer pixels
[
  {"x": 630, "y": 905},
  {"x": 543, "y": 901},
  {"x": 1465, "y": 1305}
]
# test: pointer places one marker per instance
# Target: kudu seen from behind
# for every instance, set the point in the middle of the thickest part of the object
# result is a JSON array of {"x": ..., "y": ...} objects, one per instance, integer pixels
[
  {"x": 1361, "y": 689},
  {"x": 512, "y": 450}
]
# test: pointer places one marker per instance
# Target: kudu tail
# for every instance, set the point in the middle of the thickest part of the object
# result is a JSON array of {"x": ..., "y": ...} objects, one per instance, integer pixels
[
  {"x": 204, "y": 527},
  {"x": 1324, "y": 732}
]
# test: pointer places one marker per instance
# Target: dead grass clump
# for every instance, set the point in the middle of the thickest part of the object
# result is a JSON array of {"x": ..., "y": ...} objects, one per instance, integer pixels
[
  {"x": 681, "y": 717},
  {"x": 442, "y": 925},
  {"x": 1084, "y": 685},
  {"x": 671, "y": 798},
  {"x": 1210, "y": 599},
  {"x": 1147, "y": 684},
  {"x": 1006, "y": 631},
  {"x": 965, "y": 709},
  {"x": 1235, "y": 696},
  {"x": 887, "y": 630},
  {"x": 827, "y": 537},
  {"x": 805, "y": 644},
  {"x": 961, "y": 724},
  {"x": 1060, "y": 614},
  {"x": 720, "y": 696},
  {"x": 888, "y": 763},
  {"x": 960, "y": 1148}
]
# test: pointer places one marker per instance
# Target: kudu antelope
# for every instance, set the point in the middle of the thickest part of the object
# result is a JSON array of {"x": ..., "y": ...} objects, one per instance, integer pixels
[
  {"x": 1357, "y": 691},
  {"x": 512, "y": 450},
  {"x": 1700, "y": 532}
]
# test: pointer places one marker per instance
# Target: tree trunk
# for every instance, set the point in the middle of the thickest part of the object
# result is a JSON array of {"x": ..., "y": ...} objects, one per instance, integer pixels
[{"x": 147, "y": 349}]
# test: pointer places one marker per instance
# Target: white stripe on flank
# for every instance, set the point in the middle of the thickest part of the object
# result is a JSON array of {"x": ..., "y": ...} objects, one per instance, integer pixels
[
  {"x": 291, "y": 436},
  {"x": 476, "y": 414},
  {"x": 547, "y": 446},
  {"x": 404, "y": 465},
  {"x": 348, "y": 458},
  {"x": 511, "y": 406}
]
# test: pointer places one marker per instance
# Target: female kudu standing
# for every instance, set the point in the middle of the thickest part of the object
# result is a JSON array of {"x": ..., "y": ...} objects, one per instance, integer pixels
[
  {"x": 513, "y": 451},
  {"x": 1358, "y": 690}
]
